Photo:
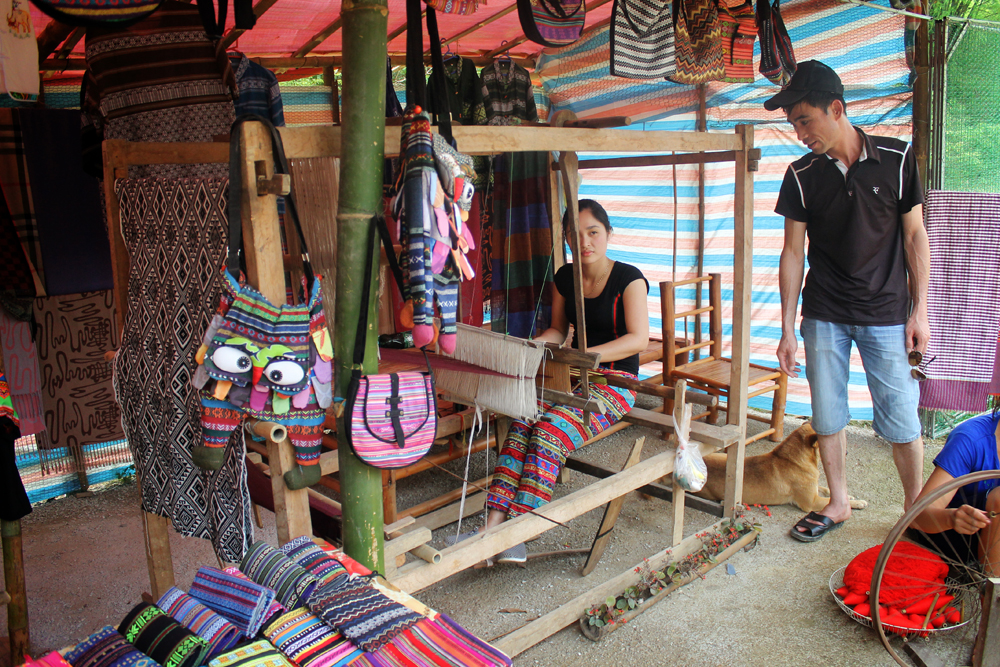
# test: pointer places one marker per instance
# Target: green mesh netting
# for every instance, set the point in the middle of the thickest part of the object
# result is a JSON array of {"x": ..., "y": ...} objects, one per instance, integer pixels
[{"x": 972, "y": 110}]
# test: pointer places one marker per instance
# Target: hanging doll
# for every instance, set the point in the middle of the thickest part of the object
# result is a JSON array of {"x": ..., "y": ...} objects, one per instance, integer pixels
[
  {"x": 431, "y": 207},
  {"x": 270, "y": 363}
]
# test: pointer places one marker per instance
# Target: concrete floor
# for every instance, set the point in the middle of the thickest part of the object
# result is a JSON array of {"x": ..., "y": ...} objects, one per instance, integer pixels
[{"x": 86, "y": 567}]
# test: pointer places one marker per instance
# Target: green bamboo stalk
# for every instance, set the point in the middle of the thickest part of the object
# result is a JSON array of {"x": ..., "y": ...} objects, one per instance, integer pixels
[{"x": 362, "y": 155}]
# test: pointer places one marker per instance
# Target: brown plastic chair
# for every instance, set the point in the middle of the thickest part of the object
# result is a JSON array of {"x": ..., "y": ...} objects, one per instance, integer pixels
[{"x": 711, "y": 373}]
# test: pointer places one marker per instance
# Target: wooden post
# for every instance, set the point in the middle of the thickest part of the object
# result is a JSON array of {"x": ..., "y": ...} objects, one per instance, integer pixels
[
  {"x": 922, "y": 101},
  {"x": 159, "y": 560},
  {"x": 987, "y": 649},
  {"x": 330, "y": 79},
  {"x": 363, "y": 152},
  {"x": 13, "y": 574},
  {"x": 555, "y": 218},
  {"x": 265, "y": 269},
  {"x": 702, "y": 127},
  {"x": 736, "y": 407}
]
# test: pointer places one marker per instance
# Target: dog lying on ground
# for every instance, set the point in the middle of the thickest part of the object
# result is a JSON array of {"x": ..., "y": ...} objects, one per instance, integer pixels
[{"x": 787, "y": 474}]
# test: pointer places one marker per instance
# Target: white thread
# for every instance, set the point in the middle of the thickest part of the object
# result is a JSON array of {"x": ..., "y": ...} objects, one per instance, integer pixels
[{"x": 477, "y": 418}]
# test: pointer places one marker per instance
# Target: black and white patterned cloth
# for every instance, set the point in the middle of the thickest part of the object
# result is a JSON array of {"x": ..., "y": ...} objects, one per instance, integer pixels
[
  {"x": 176, "y": 235},
  {"x": 642, "y": 39}
]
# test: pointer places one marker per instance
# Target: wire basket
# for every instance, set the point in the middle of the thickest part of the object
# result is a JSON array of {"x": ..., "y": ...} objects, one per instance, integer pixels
[{"x": 960, "y": 592}]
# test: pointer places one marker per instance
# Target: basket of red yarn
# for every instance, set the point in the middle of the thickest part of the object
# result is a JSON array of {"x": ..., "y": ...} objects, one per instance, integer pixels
[{"x": 911, "y": 573}]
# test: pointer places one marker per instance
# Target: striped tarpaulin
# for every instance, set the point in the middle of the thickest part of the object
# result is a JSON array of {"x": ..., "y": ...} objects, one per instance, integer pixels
[{"x": 863, "y": 44}]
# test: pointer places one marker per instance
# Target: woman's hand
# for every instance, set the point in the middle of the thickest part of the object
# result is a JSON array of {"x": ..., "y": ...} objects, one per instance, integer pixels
[{"x": 968, "y": 520}]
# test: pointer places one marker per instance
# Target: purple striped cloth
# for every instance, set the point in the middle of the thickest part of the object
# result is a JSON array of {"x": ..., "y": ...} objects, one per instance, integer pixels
[
  {"x": 239, "y": 600},
  {"x": 220, "y": 634},
  {"x": 963, "y": 299},
  {"x": 276, "y": 609},
  {"x": 317, "y": 562}
]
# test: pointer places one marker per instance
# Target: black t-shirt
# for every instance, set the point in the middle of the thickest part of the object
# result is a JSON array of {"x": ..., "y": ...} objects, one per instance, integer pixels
[
  {"x": 857, "y": 266},
  {"x": 605, "y": 312}
]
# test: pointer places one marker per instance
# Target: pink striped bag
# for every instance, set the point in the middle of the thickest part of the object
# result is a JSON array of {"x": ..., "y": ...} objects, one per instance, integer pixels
[{"x": 392, "y": 417}]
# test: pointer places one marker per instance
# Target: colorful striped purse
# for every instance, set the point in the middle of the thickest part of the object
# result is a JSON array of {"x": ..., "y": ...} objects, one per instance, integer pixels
[
  {"x": 697, "y": 43},
  {"x": 392, "y": 416},
  {"x": 552, "y": 22}
]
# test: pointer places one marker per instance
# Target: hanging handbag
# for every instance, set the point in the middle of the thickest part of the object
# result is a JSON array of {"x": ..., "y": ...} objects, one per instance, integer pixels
[
  {"x": 777, "y": 59},
  {"x": 391, "y": 418},
  {"x": 461, "y": 7},
  {"x": 552, "y": 22},
  {"x": 642, "y": 39},
  {"x": 739, "y": 32},
  {"x": 97, "y": 13},
  {"x": 697, "y": 43},
  {"x": 257, "y": 359}
]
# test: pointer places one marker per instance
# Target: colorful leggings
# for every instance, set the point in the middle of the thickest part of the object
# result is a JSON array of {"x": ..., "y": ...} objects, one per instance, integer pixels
[{"x": 532, "y": 456}]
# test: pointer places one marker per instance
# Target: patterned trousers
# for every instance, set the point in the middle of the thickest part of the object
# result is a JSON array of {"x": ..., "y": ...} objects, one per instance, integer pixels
[{"x": 533, "y": 455}]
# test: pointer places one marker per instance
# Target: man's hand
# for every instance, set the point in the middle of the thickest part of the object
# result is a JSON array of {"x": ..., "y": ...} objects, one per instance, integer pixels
[
  {"x": 918, "y": 333},
  {"x": 786, "y": 355},
  {"x": 968, "y": 520}
]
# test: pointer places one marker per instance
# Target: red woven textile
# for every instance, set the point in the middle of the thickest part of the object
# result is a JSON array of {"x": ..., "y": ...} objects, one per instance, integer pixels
[{"x": 911, "y": 573}]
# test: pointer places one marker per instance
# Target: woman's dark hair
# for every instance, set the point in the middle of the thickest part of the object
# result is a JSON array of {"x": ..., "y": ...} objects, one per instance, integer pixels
[{"x": 595, "y": 209}]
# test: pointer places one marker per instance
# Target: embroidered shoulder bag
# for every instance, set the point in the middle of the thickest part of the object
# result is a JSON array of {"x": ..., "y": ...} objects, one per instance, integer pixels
[
  {"x": 697, "y": 43},
  {"x": 642, "y": 39},
  {"x": 390, "y": 418},
  {"x": 552, "y": 22},
  {"x": 777, "y": 59}
]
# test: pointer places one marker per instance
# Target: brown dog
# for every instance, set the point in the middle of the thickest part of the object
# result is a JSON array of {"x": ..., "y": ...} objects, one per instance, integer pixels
[{"x": 787, "y": 474}]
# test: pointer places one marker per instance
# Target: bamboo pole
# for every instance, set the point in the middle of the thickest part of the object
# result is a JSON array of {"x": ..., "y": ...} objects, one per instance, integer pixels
[
  {"x": 363, "y": 144},
  {"x": 13, "y": 574}
]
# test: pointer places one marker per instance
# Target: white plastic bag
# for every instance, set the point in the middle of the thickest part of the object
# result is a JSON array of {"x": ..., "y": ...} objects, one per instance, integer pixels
[{"x": 690, "y": 471}]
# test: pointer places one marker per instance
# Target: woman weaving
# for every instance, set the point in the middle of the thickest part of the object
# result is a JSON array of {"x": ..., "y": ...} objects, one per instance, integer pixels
[{"x": 617, "y": 325}]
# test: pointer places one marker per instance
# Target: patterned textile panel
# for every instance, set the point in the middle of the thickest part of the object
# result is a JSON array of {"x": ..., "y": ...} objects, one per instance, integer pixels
[
  {"x": 863, "y": 44},
  {"x": 313, "y": 559},
  {"x": 274, "y": 609},
  {"x": 272, "y": 568},
  {"x": 162, "y": 638},
  {"x": 258, "y": 654},
  {"x": 364, "y": 615},
  {"x": 220, "y": 634},
  {"x": 435, "y": 643}
]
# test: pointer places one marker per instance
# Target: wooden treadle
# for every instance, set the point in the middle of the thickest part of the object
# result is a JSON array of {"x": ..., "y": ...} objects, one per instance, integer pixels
[{"x": 719, "y": 437}]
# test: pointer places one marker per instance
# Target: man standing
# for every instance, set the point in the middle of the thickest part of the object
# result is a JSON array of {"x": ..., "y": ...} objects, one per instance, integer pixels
[{"x": 860, "y": 200}]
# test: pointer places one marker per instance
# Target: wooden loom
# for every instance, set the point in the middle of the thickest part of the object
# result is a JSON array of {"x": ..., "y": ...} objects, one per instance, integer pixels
[{"x": 266, "y": 270}]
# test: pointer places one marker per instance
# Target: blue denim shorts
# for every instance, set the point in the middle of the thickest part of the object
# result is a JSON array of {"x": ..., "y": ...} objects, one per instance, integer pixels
[{"x": 895, "y": 393}]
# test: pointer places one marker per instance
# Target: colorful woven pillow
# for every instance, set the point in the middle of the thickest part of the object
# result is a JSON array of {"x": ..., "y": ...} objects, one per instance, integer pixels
[
  {"x": 242, "y": 602},
  {"x": 220, "y": 634},
  {"x": 107, "y": 648},
  {"x": 310, "y": 642},
  {"x": 365, "y": 616},
  {"x": 274, "y": 610},
  {"x": 258, "y": 654},
  {"x": 162, "y": 638},
  {"x": 314, "y": 560},
  {"x": 270, "y": 567}
]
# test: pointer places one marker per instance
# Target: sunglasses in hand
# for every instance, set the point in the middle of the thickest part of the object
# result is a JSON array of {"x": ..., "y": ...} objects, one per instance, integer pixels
[{"x": 916, "y": 359}]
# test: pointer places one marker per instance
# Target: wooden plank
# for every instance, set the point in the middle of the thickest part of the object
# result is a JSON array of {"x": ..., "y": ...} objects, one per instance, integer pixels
[
  {"x": 474, "y": 502},
  {"x": 159, "y": 560},
  {"x": 524, "y": 638},
  {"x": 680, "y": 496},
  {"x": 574, "y": 357},
  {"x": 319, "y": 37},
  {"x": 324, "y": 141},
  {"x": 407, "y": 541},
  {"x": 291, "y": 508},
  {"x": 442, "y": 500},
  {"x": 129, "y": 153},
  {"x": 17, "y": 598},
  {"x": 657, "y": 160},
  {"x": 717, "y": 436},
  {"x": 655, "y": 490},
  {"x": 329, "y": 462},
  {"x": 555, "y": 219},
  {"x": 736, "y": 412},
  {"x": 458, "y": 557},
  {"x": 330, "y": 79},
  {"x": 647, "y": 387},
  {"x": 398, "y": 526},
  {"x": 611, "y": 512},
  {"x": 389, "y": 513},
  {"x": 986, "y": 652},
  {"x": 572, "y": 400}
]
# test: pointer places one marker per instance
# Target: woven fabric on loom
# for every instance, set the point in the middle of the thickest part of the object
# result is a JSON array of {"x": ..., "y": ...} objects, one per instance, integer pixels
[
  {"x": 365, "y": 616},
  {"x": 314, "y": 560},
  {"x": 258, "y": 654},
  {"x": 270, "y": 567},
  {"x": 107, "y": 648},
  {"x": 242, "y": 602},
  {"x": 435, "y": 643},
  {"x": 220, "y": 634},
  {"x": 963, "y": 299},
  {"x": 310, "y": 642},
  {"x": 162, "y": 638}
]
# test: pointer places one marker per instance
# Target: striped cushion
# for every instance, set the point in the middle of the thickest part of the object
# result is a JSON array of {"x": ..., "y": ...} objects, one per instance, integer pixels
[
  {"x": 310, "y": 642},
  {"x": 162, "y": 638},
  {"x": 240, "y": 601},
  {"x": 107, "y": 648},
  {"x": 220, "y": 634},
  {"x": 258, "y": 654},
  {"x": 269, "y": 567},
  {"x": 313, "y": 559}
]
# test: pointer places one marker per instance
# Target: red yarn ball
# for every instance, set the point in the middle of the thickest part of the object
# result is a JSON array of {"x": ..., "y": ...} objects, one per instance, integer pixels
[{"x": 911, "y": 573}]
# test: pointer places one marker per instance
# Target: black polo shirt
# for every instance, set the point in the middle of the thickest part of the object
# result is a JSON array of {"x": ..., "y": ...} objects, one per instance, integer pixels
[{"x": 857, "y": 266}]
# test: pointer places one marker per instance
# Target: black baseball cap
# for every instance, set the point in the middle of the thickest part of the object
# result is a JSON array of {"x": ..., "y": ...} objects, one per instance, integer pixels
[{"x": 812, "y": 75}]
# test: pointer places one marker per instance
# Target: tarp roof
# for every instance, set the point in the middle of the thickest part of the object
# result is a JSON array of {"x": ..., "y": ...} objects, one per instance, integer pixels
[{"x": 289, "y": 25}]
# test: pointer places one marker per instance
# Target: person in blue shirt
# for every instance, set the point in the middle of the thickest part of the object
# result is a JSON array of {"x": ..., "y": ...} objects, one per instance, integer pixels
[{"x": 960, "y": 520}]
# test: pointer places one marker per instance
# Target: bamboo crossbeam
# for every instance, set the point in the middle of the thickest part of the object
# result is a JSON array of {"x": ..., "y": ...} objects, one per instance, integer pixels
[
  {"x": 693, "y": 312},
  {"x": 319, "y": 37},
  {"x": 235, "y": 33}
]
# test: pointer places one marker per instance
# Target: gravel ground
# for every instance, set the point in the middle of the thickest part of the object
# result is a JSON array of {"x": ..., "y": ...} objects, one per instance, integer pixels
[{"x": 85, "y": 568}]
